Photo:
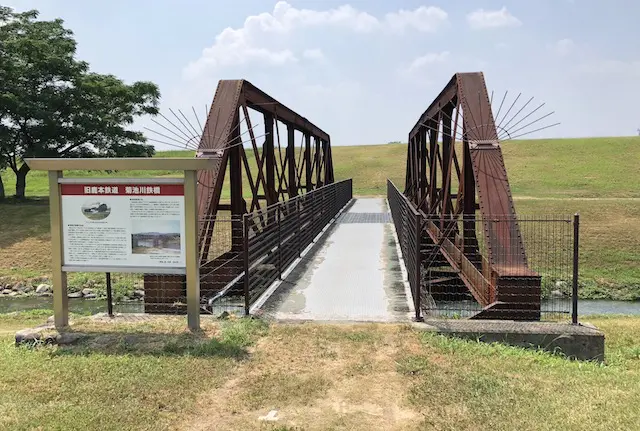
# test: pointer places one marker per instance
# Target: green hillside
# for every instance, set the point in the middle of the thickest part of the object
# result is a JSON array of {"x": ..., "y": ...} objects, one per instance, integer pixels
[{"x": 598, "y": 177}]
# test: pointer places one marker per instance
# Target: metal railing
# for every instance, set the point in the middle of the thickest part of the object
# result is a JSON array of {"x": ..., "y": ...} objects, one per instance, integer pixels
[
  {"x": 498, "y": 267},
  {"x": 408, "y": 224},
  {"x": 522, "y": 267},
  {"x": 276, "y": 236}
]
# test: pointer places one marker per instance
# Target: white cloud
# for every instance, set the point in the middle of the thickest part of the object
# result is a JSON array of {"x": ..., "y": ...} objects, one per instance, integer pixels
[
  {"x": 233, "y": 47},
  {"x": 313, "y": 54},
  {"x": 286, "y": 18},
  {"x": 483, "y": 19},
  {"x": 564, "y": 47},
  {"x": 419, "y": 63},
  {"x": 424, "y": 19},
  {"x": 263, "y": 37}
]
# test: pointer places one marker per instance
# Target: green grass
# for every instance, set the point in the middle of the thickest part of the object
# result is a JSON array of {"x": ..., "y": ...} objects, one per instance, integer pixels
[
  {"x": 598, "y": 177},
  {"x": 156, "y": 375},
  {"x": 503, "y": 388},
  {"x": 609, "y": 244},
  {"x": 123, "y": 377},
  {"x": 559, "y": 168}
]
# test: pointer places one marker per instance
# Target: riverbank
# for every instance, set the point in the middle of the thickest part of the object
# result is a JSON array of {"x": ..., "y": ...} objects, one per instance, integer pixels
[
  {"x": 157, "y": 375},
  {"x": 586, "y": 307}
]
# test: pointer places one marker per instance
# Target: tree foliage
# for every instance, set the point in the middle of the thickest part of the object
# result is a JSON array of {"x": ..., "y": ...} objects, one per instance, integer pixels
[{"x": 52, "y": 105}]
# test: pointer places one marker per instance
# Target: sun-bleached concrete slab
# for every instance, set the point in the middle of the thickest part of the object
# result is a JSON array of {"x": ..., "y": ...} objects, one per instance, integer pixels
[{"x": 352, "y": 274}]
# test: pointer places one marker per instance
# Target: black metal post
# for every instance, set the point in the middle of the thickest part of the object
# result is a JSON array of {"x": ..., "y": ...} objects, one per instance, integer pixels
[
  {"x": 245, "y": 239},
  {"x": 574, "y": 292},
  {"x": 298, "y": 226},
  {"x": 417, "y": 275},
  {"x": 109, "y": 296},
  {"x": 279, "y": 210}
]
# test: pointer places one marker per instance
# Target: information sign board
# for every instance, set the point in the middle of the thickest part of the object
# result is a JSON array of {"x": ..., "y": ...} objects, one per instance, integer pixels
[{"x": 120, "y": 224}]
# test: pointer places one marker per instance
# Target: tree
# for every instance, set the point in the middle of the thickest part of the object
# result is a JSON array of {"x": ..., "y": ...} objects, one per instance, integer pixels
[
  {"x": 2, "y": 193},
  {"x": 51, "y": 105}
]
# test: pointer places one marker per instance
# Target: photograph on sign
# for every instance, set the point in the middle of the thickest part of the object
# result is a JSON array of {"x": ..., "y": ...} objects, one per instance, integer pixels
[
  {"x": 96, "y": 210},
  {"x": 155, "y": 237},
  {"x": 123, "y": 225}
]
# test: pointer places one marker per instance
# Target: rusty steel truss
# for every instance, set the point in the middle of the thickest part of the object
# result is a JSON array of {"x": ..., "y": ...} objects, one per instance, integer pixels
[
  {"x": 254, "y": 165},
  {"x": 449, "y": 181},
  {"x": 275, "y": 176}
]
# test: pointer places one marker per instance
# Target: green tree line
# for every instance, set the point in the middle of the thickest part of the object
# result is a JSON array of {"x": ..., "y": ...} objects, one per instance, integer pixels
[{"x": 52, "y": 105}]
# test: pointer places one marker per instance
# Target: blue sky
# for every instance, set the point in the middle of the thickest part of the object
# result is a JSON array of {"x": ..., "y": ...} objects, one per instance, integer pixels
[{"x": 364, "y": 70}]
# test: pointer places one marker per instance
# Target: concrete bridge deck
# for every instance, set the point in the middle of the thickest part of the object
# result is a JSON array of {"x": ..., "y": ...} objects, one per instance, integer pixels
[{"x": 353, "y": 273}]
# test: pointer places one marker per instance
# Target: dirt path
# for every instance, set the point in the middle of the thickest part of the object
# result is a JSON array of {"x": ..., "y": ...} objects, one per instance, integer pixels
[{"x": 317, "y": 377}]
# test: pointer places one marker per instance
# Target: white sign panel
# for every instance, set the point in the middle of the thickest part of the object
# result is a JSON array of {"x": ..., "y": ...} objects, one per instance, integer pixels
[{"x": 123, "y": 225}]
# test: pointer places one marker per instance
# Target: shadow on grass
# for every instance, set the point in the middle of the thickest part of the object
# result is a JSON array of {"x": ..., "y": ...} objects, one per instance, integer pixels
[
  {"x": 231, "y": 342},
  {"x": 23, "y": 219}
]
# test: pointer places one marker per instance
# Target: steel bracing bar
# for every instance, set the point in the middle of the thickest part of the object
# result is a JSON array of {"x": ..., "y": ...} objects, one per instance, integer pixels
[
  {"x": 434, "y": 171},
  {"x": 278, "y": 169}
]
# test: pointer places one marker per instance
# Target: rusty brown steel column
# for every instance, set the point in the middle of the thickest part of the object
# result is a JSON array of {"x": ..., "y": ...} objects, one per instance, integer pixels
[
  {"x": 291, "y": 162},
  {"x": 318, "y": 156},
  {"x": 433, "y": 164},
  {"x": 307, "y": 162},
  {"x": 235, "y": 185},
  {"x": 328, "y": 166},
  {"x": 423, "y": 164},
  {"x": 446, "y": 162},
  {"x": 270, "y": 160}
]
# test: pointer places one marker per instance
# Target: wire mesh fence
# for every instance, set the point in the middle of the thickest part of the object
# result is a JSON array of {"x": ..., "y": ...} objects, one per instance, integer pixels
[
  {"x": 263, "y": 244},
  {"x": 221, "y": 267},
  {"x": 408, "y": 225},
  {"x": 496, "y": 267},
  {"x": 276, "y": 236},
  {"x": 125, "y": 292}
]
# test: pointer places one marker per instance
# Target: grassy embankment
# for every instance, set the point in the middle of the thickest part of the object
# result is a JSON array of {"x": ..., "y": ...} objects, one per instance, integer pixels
[
  {"x": 156, "y": 375},
  {"x": 598, "y": 177}
]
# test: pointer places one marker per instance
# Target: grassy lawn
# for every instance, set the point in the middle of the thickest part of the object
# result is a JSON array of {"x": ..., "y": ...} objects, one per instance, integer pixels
[
  {"x": 598, "y": 177},
  {"x": 560, "y": 168},
  {"x": 143, "y": 376},
  {"x": 155, "y": 375},
  {"x": 609, "y": 244}
]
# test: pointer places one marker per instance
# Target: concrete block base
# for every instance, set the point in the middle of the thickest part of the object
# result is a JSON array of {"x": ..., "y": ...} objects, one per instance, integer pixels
[{"x": 582, "y": 342}]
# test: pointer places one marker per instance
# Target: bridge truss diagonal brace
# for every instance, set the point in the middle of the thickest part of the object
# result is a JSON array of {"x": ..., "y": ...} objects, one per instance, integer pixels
[
  {"x": 278, "y": 169},
  {"x": 433, "y": 171}
]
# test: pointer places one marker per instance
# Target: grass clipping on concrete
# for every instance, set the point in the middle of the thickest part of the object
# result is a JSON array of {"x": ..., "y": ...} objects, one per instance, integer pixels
[{"x": 156, "y": 375}]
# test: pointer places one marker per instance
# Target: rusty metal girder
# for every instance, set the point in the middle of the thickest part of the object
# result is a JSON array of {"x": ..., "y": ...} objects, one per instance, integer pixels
[
  {"x": 274, "y": 171},
  {"x": 277, "y": 176},
  {"x": 437, "y": 163}
]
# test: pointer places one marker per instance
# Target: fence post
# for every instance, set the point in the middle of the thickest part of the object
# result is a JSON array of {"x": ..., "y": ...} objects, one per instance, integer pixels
[
  {"x": 279, "y": 213},
  {"x": 298, "y": 226},
  {"x": 109, "y": 295},
  {"x": 417, "y": 275},
  {"x": 574, "y": 290},
  {"x": 245, "y": 240}
]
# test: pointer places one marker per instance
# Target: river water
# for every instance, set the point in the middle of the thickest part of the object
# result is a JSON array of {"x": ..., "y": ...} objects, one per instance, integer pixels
[
  {"x": 79, "y": 306},
  {"x": 85, "y": 306}
]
